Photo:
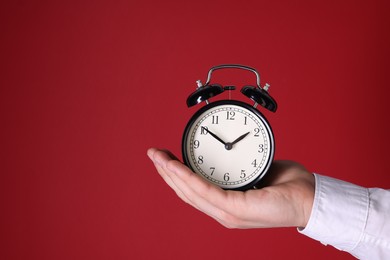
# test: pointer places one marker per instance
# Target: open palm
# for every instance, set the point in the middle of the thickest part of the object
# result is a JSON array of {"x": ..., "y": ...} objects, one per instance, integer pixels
[{"x": 285, "y": 199}]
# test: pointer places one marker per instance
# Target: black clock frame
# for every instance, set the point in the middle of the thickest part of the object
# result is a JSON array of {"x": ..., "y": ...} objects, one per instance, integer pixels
[{"x": 261, "y": 117}]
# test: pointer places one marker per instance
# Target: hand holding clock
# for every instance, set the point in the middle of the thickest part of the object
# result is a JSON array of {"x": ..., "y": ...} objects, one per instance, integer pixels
[
  {"x": 243, "y": 187},
  {"x": 285, "y": 200}
]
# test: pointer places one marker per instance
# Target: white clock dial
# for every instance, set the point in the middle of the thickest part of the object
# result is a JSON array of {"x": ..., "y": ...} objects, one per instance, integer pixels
[{"x": 230, "y": 144}]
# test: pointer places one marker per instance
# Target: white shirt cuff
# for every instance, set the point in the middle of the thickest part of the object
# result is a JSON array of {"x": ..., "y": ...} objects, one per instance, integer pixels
[{"x": 339, "y": 213}]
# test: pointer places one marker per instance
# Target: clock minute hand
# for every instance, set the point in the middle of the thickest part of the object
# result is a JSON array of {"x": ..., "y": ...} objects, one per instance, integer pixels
[{"x": 214, "y": 135}]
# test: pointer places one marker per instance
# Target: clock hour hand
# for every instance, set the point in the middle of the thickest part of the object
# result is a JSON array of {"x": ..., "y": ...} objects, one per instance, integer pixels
[
  {"x": 240, "y": 138},
  {"x": 214, "y": 135},
  {"x": 229, "y": 146}
]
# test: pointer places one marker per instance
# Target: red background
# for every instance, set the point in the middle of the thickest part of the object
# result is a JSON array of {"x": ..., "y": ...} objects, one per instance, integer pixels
[{"x": 87, "y": 86}]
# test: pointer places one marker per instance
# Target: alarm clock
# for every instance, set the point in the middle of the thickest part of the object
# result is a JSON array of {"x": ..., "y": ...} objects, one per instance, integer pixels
[{"x": 229, "y": 142}]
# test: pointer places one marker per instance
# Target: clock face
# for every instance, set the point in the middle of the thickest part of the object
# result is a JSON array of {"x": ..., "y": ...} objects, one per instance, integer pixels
[{"x": 229, "y": 143}]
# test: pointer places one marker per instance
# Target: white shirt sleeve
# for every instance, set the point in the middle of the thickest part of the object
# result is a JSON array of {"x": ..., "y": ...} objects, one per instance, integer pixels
[{"x": 351, "y": 218}]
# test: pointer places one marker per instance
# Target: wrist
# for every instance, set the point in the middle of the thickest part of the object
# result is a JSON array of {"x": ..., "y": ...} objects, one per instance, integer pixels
[{"x": 308, "y": 200}]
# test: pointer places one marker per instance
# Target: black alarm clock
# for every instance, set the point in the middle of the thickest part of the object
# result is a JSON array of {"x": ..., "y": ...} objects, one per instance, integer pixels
[{"x": 228, "y": 142}]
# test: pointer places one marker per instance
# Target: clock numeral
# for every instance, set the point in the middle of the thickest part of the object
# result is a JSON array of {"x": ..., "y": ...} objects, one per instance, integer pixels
[
  {"x": 261, "y": 148},
  {"x": 243, "y": 174},
  {"x": 203, "y": 130},
  {"x": 257, "y": 131},
  {"x": 212, "y": 171},
  {"x": 214, "y": 120},
  {"x": 230, "y": 115},
  {"x": 200, "y": 159},
  {"x": 226, "y": 177},
  {"x": 254, "y": 163},
  {"x": 196, "y": 144},
  {"x": 245, "y": 120}
]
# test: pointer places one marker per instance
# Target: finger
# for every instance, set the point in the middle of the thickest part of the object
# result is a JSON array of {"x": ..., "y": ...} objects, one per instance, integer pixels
[
  {"x": 172, "y": 185},
  {"x": 187, "y": 189},
  {"x": 159, "y": 169},
  {"x": 164, "y": 175},
  {"x": 224, "y": 206},
  {"x": 172, "y": 169},
  {"x": 211, "y": 199},
  {"x": 170, "y": 154}
]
